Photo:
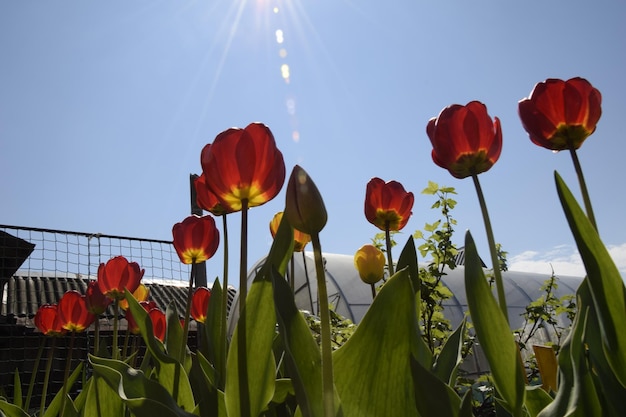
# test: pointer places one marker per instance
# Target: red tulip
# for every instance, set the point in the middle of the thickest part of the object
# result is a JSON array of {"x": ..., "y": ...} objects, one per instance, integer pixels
[
  {"x": 244, "y": 164},
  {"x": 195, "y": 239},
  {"x": 466, "y": 141},
  {"x": 47, "y": 320},
  {"x": 73, "y": 313},
  {"x": 97, "y": 302},
  {"x": 300, "y": 239},
  {"x": 200, "y": 304},
  {"x": 559, "y": 114},
  {"x": 205, "y": 198},
  {"x": 158, "y": 323},
  {"x": 117, "y": 275},
  {"x": 387, "y": 205},
  {"x": 132, "y": 324}
]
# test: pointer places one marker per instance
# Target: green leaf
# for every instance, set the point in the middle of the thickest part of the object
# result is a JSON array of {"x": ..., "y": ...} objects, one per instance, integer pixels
[
  {"x": 213, "y": 348},
  {"x": 439, "y": 399},
  {"x": 202, "y": 377},
  {"x": 170, "y": 373},
  {"x": 284, "y": 388},
  {"x": 432, "y": 188},
  {"x": 12, "y": 410},
  {"x": 605, "y": 281},
  {"x": 372, "y": 369},
  {"x": 450, "y": 357},
  {"x": 55, "y": 405},
  {"x": 174, "y": 337},
  {"x": 17, "y": 389},
  {"x": 302, "y": 354},
  {"x": 493, "y": 332},
  {"x": 610, "y": 392},
  {"x": 102, "y": 400},
  {"x": 260, "y": 323},
  {"x": 536, "y": 400},
  {"x": 145, "y": 397}
]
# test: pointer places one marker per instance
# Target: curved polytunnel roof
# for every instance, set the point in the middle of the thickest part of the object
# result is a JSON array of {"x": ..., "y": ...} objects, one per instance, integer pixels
[{"x": 351, "y": 298}]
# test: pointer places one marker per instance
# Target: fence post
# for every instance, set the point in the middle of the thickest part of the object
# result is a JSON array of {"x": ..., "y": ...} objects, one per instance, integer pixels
[{"x": 200, "y": 268}]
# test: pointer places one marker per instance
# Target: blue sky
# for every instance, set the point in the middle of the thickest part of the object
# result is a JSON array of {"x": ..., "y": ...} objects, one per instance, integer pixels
[{"x": 105, "y": 107}]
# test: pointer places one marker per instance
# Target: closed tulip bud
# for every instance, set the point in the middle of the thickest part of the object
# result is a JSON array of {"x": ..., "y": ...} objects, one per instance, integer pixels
[
  {"x": 97, "y": 302},
  {"x": 370, "y": 262},
  {"x": 304, "y": 206}
]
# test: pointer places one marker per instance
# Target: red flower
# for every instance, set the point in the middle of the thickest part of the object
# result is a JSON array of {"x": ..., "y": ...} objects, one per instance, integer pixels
[
  {"x": 117, "y": 275},
  {"x": 73, "y": 313},
  {"x": 132, "y": 324},
  {"x": 200, "y": 304},
  {"x": 387, "y": 205},
  {"x": 97, "y": 302},
  {"x": 300, "y": 239},
  {"x": 244, "y": 164},
  {"x": 465, "y": 140},
  {"x": 195, "y": 239},
  {"x": 559, "y": 114},
  {"x": 47, "y": 320},
  {"x": 205, "y": 198},
  {"x": 158, "y": 323}
]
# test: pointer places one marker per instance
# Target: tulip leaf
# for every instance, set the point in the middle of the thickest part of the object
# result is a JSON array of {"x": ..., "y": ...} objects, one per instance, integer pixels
[
  {"x": 102, "y": 400},
  {"x": 170, "y": 373},
  {"x": 202, "y": 377},
  {"x": 17, "y": 389},
  {"x": 493, "y": 332},
  {"x": 55, "y": 405},
  {"x": 260, "y": 323},
  {"x": 536, "y": 400},
  {"x": 302, "y": 354},
  {"x": 11, "y": 410},
  {"x": 372, "y": 369},
  {"x": 144, "y": 397},
  {"x": 439, "y": 399},
  {"x": 450, "y": 358},
  {"x": 605, "y": 281},
  {"x": 408, "y": 259},
  {"x": 610, "y": 392},
  {"x": 213, "y": 348},
  {"x": 174, "y": 337}
]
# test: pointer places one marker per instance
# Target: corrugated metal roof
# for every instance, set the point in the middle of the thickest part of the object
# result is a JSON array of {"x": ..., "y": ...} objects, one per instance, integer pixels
[{"x": 24, "y": 294}]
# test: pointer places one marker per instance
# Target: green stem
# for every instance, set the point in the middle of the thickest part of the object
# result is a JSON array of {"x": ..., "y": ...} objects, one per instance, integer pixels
[
  {"x": 324, "y": 311},
  {"x": 96, "y": 345},
  {"x": 388, "y": 242},
  {"x": 373, "y": 290},
  {"x": 125, "y": 346},
  {"x": 224, "y": 309},
  {"x": 242, "y": 359},
  {"x": 183, "y": 346},
  {"x": 46, "y": 379},
  {"x": 308, "y": 281},
  {"x": 33, "y": 375},
  {"x": 68, "y": 364},
  {"x": 583, "y": 188},
  {"x": 292, "y": 277},
  {"x": 492, "y": 248},
  {"x": 116, "y": 313}
]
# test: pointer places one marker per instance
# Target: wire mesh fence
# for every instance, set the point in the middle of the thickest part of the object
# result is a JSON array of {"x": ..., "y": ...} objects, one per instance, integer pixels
[{"x": 62, "y": 253}]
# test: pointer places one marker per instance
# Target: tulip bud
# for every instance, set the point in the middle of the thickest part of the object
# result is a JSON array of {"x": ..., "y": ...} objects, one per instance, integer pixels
[
  {"x": 370, "y": 262},
  {"x": 304, "y": 206}
]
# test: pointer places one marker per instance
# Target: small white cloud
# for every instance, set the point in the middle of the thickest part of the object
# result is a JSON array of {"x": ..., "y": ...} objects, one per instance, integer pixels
[{"x": 563, "y": 260}]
